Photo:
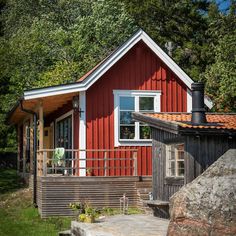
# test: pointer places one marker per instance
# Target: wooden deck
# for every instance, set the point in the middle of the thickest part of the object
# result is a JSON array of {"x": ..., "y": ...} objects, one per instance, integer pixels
[{"x": 56, "y": 192}]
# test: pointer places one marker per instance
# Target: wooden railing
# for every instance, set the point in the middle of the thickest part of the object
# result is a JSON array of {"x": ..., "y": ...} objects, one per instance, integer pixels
[{"x": 77, "y": 162}]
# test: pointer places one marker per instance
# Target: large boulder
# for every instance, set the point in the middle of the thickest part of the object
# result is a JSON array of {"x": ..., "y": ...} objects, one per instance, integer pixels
[{"x": 207, "y": 205}]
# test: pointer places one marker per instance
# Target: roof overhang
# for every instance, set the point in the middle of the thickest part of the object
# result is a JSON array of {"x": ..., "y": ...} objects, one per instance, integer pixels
[
  {"x": 157, "y": 123},
  {"x": 175, "y": 128},
  {"x": 33, "y": 95},
  {"x": 103, "y": 67},
  {"x": 50, "y": 105}
]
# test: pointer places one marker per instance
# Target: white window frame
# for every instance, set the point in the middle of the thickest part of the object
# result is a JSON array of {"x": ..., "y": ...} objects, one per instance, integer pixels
[
  {"x": 168, "y": 161},
  {"x": 156, "y": 94}
]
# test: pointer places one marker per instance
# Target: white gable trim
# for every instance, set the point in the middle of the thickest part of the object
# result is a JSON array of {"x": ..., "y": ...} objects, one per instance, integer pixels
[{"x": 107, "y": 64}]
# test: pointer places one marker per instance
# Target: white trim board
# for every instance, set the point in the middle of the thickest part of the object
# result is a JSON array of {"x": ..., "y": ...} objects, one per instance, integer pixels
[
  {"x": 107, "y": 64},
  {"x": 82, "y": 133}
]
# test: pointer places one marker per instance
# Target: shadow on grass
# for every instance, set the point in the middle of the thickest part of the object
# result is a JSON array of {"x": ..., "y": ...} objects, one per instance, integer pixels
[
  {"x": 9, "y": 181},
  {"x": 18, "y": 216}
]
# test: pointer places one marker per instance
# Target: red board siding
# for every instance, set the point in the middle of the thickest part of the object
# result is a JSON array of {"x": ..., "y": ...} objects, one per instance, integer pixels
[{"x": 139, "y": 69}]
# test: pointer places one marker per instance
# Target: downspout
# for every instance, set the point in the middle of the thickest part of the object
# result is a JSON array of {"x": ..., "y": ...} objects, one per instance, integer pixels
[{"x": 34, "y": 151}]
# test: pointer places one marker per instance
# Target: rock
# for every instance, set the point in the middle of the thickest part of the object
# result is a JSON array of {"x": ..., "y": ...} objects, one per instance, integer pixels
[
  {"x": 65, "y": 233},
  {"x": 207, "y": 205}
]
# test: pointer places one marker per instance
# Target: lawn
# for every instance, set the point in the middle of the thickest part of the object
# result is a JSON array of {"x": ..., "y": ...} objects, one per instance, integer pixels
[{"x": 17, "y": 214}]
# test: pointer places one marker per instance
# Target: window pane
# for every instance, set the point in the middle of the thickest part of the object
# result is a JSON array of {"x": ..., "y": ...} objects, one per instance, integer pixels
[
  {"x": 180, "y": 148},
  {"x": 180, "y": 164},
  {"x": 125, "y": 117},
  {"x": 146, "y": 103},
  {"x": 172, "y": 168},
  {"x": 180, "y": 168},
  {"x": 145, "y": 132},
  {"x": 127, "y": 103},
  {"x": 172, "y": 153},
  {"x": 127, "y": 132}
]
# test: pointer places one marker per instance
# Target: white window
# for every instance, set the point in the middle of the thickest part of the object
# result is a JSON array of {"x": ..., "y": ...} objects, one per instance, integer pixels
[
  {"x": 175, "y": 160},
  {"x": 127, "y": 130}
]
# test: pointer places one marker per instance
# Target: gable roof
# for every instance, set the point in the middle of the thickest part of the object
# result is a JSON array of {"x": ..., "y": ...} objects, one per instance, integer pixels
[
  {"x": 176, "y": 122},
  {"x": 93, "y": 75}
]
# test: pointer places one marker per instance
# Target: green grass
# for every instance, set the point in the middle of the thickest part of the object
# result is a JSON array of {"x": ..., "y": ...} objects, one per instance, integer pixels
[
  {"x": 9, "y": 181},
  {"x": 17, "y": 214}
]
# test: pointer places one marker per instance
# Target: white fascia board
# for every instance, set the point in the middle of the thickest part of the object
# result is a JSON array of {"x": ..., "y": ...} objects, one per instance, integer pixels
[
  {"x": 53, "y": 91},
  {"x": 189, "y": 100},
  {"x": 208, "y": 102},
  {"x": 104, "y": 67},
  {"x": 167, "y": 60}
]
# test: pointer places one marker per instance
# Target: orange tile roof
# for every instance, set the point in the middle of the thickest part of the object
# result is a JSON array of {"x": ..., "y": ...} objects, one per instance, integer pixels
[{"x": 224, "y": 121}]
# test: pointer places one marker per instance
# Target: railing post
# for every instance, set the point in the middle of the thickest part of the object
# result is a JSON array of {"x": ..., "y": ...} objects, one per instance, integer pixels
[
  {"x": 135, "y": 163},
  {"x": 44, "y": 163},
  {"x": 105, "y": 163},
  {"x": 76, "y": 164}
]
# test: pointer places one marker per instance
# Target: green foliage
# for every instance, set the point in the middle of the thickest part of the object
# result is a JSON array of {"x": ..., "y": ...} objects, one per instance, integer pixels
[
  {"x": 221, "y": 75},
  {"x": 182, "y": 22},
  {"x": 46, "y": 43},
  {"x": 54, "y": 42},
  {"x": 108, "y": 211}
]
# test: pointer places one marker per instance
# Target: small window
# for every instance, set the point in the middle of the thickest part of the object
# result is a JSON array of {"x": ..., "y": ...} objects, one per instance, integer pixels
[
  {"x": 126, "y": 102},
  {"x": 175, "y": 160}
]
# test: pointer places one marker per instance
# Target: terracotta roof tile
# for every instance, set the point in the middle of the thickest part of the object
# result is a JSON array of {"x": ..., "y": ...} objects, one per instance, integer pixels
[{"x": 221, "y": 121}]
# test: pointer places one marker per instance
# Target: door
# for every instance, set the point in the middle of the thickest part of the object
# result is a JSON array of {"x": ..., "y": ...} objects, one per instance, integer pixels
[{"x": 64, "y": 137}]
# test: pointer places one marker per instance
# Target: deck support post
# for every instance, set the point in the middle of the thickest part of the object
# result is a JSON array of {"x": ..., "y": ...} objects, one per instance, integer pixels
[
  {"x": 105, "y": 164},
  {"x": 24, "y": 149},
  {"x": 18, "y": 148},
  {"x": 41, "y": 126},
  {"x": 31, "y": 144},
  {"x": 135, "y": 163}
]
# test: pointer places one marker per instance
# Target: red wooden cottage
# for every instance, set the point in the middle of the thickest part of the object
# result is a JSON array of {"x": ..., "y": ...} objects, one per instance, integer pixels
[{"x": 91, "y": 118}]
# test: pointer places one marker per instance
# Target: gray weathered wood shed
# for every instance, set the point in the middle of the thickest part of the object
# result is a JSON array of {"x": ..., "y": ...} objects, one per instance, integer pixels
[{"x": 183, "y": 150}]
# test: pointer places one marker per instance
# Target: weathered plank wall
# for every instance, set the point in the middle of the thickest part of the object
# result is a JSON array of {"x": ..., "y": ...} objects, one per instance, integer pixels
[
  {"x": 203, "y": 150},
  {"x": 55, "y": 193},
  {"x": 200, "y": 152},
  {"x": 163, "y": 187}
]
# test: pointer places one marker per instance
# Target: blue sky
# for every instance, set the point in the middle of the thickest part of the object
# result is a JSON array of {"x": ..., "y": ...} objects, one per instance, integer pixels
[{"x": 223, "y": 4}]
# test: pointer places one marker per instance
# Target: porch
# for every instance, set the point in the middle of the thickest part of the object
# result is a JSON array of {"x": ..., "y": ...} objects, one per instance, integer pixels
[
  {"x": 108, "y": 175},
  {"x": 90, "y": 167}
]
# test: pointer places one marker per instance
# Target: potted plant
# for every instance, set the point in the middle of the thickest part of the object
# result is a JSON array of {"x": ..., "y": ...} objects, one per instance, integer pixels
[
  {"x": 146, "y": 132},
  {"x": 58, "y": 157},
  {"x": 90, "y": 214},
  {"x": 89, "y": 171},
  {"x": 125, "y": 133},
  {"x": 78, "y": 208}
]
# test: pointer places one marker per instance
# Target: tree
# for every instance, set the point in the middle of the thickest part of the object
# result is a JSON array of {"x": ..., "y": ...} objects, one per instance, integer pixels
[
  {"x": 220, "y": 73},
  {"x": 182, "y": 22},
  {"x": 54, "y": 42}
]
